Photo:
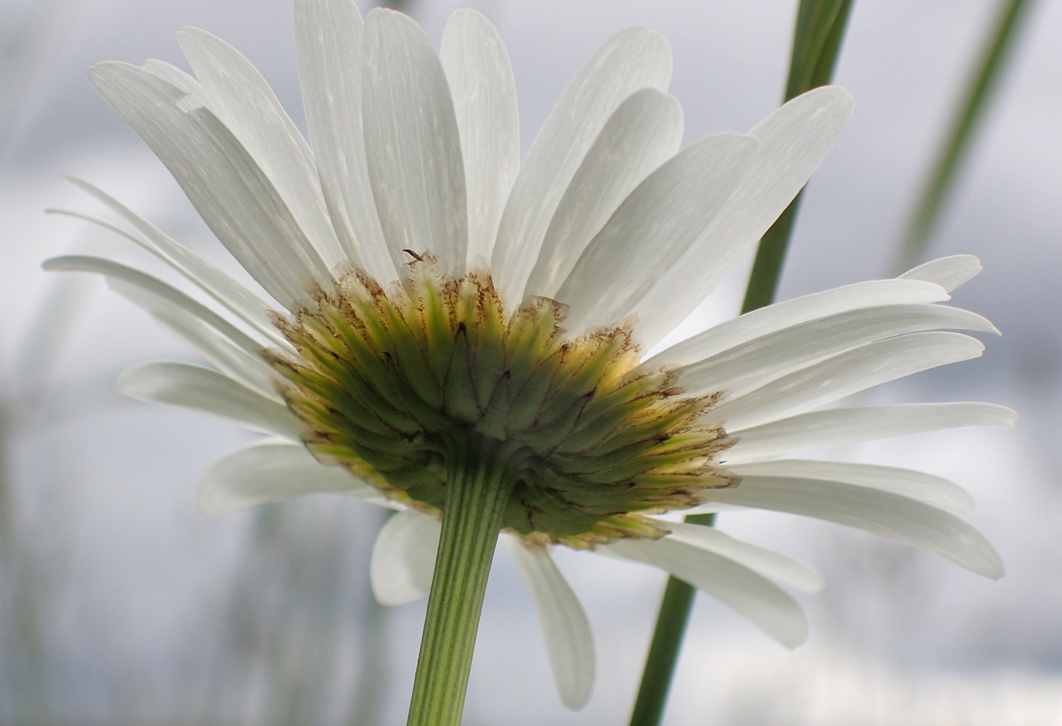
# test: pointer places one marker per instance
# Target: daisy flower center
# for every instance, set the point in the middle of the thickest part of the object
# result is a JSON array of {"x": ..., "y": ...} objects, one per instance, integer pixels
[{"x": 389, "y": 384}]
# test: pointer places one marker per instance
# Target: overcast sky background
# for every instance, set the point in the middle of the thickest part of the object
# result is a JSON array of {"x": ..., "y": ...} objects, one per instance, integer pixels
[{"x": 106, "y": 487}]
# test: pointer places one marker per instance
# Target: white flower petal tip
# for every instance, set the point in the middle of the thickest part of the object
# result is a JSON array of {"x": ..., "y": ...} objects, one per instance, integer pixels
[
  {"x": 403, "y": 558},
  {"x": 569, "y": 642},
  {"x": 269, "y": 472},
  {"x": 733, "y": 583},
  {"x": 948, "y": 272}
]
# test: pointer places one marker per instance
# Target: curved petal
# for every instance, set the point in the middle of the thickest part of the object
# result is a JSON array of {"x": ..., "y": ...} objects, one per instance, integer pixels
[
  {"x": 113, "y": 270},
  {"x": 643, "y": 133},
  {"x": 268, "y": 472},
  {"x": 206, "y": 390},
  {"x": 768, "y": 563},
  {"x": 751, "y": 364},
  {"x": 484, "y": 91},
  {"x": 794, "y": 140},
  {"x": 235, "y": 362},
  {"x": 222, "y": 180},
  {"x": 630, "y": 60},
  {"x": 233, "y": 89},
  {"x": 403, "y": 558},
  {"x": 569, "y": 642},
  {"x": 844, "y": 374},
  {"x": 909, "y": 483},
  {"x": 822, "y": 429},
  {"x": 791, "y": 313},
  {"x": 328, "y": 45},
  {"x": 412, "y": 143},
  {"x": 749, "y": 594},
  {"x": 883, "y": 513},
  {"x": 652, "y": 229},
  {"x": 231, "y": 294},
  {"x": 948, "y": 272}
]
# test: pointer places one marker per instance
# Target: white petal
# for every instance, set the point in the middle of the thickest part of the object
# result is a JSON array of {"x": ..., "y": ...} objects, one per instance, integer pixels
[
  {"x": 822, "y": 429},
  {"x": 793, "y": 142},
  {"x": 569, "y": 642},
  {"x": 767, "y": 357},
  {"x": 412, "y": 143},
  {"x": 883, "y": 513},
  {"x": 238, "y": 95},
  {"x": 225, "y": 184},
  {"x": 206, "y": 390},
  {"x": 844, "y": 374},
  {"x": 748, "y": 593},
  {"x": 246, "y": 368},
  {"x": 403, "y": 558},
  {"x": 173, "y": 75},
  {"x": 768, "y": 563},
  {"x": 234, "y": 296},
  {"x": 909, "y": 483},
  {"x": 114, "y": 270},
  {"x": 948, "y": 272},
  {"x": 269, "y": 472},
  {"x": 484, "y": 92},
  {"x": 652, "y": 229},
  {"x": 328, "y": 44},
  {"x": 794, "y": 312},
  {"x": 630, "y": 60},
  {"x": 643, "y": 133}
]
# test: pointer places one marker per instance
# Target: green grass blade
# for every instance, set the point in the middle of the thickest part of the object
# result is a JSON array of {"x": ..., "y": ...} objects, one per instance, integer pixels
[{"x": 998, "y": 46}]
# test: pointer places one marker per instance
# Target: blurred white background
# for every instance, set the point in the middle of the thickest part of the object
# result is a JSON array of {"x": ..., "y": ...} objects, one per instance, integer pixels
[{"x": 123, "y": 605}]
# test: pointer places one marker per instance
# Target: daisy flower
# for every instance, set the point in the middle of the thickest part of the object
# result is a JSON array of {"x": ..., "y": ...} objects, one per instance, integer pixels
[{"x": 451, "y": 333}]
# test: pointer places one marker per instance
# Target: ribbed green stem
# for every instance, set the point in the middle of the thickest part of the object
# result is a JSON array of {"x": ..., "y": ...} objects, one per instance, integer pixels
[
  {"x": 479, "y": 483},
  {"x": 817, "y": 38},
  {"x": 942, "y": 177}
]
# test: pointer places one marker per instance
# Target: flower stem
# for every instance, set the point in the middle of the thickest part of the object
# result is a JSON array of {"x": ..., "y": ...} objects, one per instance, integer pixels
[
  {"x": 817, "y": 38},
  {"x": 479, "y": 482}
]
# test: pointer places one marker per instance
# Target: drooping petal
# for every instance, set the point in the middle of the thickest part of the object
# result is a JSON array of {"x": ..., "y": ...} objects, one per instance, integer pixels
[
  {"x": 403, "y": 558},
  {"x": 412, "y": 143},
  {"x": 948, "y": 272},
  {"x": 484, "y": 91},
  {"x": 235, "y": 362},
  {"x": 793, "y": 142},
  {"x": 231, "y": 294},
  {"x": 652, "y": 229},
  {"x": 883, "y": 513},
  {"x": 745, "y": 591},
  {"x": 844, "y": 374},
  {"x": 753, "y": 363},
  {"x": 569, "y": 642},
  {"x": 136, "y": 278},
  {"x": 909, "y": 483},
  {"x": 834, "y": 427},
  {"x": 791, "y": 313},
  {"x": 768, "y": 563},
  {"x": 236, "y": 93},
  {"x": 328, "y": 45},
  {"x": 269, "y": 472},
  {"x": 630, "y": 60},
  {"x": 643, "y": 133},
  {"x": 206, "y": 390},
  {"x": 222, "y": 180}
]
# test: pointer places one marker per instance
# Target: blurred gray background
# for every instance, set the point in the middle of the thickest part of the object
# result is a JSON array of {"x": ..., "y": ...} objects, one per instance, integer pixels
[{"x": 122, "y": 605}]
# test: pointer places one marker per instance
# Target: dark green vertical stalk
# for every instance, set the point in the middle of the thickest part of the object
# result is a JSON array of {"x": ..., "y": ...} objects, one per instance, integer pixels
[
  {"x": 941, "y": 179},
  {"x": 817, "y": 37}
]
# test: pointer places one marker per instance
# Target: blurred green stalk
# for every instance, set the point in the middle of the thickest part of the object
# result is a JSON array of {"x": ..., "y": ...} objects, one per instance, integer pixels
[
  {"x": 941, "y": 180},
  {"x": 820, "y": 27}
]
